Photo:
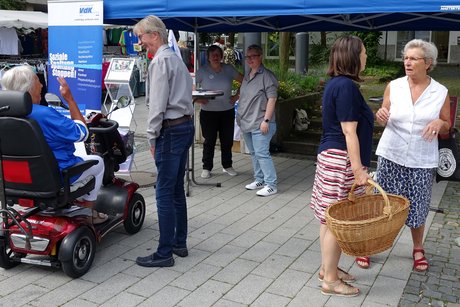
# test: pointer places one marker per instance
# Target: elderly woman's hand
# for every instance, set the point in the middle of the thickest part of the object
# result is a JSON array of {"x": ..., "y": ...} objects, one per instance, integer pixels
[
  {"x": 431, "y": 130},
  {"x": 382, "y": 115},
  {"x": 64, "y": 89}
]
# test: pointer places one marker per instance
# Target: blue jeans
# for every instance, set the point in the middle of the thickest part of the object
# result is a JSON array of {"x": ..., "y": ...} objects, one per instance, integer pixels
[
  {"x": 259, "y": 148},
  {"x": 171, "y": 152}
]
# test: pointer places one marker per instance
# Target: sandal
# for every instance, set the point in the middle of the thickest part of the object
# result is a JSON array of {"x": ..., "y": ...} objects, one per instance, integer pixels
[
  {"x": 365, "y": 260},
  {"x": 343, "y": 275},
  {"x": 421, "y": 262},
  {"x": 99, "y": 218},
  {"x": 346, "y": 290}
]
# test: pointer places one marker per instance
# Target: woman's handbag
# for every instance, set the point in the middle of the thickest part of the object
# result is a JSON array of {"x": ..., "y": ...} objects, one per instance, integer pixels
[{"x": 449, "y": 160}]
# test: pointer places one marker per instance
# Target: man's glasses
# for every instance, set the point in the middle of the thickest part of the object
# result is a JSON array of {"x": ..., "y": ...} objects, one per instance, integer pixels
[
  {"x": 251, "y": 57},
  {"x": 141, "y": 35}
]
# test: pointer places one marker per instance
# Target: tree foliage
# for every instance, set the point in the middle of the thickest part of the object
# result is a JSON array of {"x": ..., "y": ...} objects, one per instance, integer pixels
[{"x": 12, "y": 4}]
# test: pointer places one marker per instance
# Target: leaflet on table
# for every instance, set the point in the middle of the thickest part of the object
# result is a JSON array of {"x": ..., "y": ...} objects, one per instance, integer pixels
[{"x": 207, "y": 93}]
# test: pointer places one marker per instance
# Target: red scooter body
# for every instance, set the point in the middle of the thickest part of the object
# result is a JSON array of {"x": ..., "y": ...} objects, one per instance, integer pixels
[{"x": 66, "y": 237}]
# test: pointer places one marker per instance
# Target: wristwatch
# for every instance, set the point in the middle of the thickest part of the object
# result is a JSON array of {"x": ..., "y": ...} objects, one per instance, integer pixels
[{"x": 266, "y": 120}]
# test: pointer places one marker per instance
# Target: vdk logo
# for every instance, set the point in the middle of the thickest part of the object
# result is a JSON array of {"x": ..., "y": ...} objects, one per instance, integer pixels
[{"x": 86, "y": 10}]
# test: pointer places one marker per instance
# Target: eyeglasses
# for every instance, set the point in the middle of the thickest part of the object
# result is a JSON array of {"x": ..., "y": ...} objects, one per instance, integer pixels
[
  {"x": 412, "y": 59},
  {"x": 250, "y": 57},
  {"x": 141, "y": 35}
]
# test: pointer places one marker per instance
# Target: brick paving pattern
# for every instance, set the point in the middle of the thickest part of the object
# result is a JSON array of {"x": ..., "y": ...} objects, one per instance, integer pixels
[
  {"x": 245, "y": 250},
  {"x": 440, "y": 285}
]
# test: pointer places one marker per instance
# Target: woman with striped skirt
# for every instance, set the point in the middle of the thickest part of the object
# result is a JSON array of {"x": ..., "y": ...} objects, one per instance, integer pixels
[{"x": 343, "y": 155}]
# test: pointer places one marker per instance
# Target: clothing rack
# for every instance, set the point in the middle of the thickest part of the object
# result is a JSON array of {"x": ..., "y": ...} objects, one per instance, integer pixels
[{"x": 38, "y": 63}]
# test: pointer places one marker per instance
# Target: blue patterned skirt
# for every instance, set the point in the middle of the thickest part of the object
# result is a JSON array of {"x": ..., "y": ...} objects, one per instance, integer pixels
[{"x": 413, "y": 183}]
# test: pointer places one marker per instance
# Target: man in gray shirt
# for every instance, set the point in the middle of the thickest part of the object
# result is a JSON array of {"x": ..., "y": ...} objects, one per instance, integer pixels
[{"x": 170, "y": 133}]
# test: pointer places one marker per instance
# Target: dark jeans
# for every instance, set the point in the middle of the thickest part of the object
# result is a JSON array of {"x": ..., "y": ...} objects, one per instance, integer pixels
[
  {"x": 171, "y": 151},
  {"x": 213, "y": 122}
]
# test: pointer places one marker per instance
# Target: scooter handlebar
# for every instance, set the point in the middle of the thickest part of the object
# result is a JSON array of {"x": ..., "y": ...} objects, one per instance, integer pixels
[{"x": 104, "y": 126}]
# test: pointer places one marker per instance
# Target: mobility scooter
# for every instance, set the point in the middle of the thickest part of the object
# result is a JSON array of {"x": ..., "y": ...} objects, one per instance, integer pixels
[{"x": 40, "y": 222}]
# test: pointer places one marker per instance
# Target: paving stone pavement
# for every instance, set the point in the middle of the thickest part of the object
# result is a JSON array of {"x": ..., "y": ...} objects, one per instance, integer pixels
[
  {"x": 245, "y": 250},
  {"x": 440, "y": 285}
]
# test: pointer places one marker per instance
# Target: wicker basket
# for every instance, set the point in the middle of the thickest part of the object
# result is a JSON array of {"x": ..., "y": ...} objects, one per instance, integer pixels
[{"x": 367, "y": 225}]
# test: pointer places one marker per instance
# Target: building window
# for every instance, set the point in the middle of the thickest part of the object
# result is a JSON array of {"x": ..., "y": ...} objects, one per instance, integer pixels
[{"x": 404, "y": 37}]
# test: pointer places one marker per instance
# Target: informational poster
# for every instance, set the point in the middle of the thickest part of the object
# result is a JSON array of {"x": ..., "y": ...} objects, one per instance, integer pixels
[
  {"x": 75, "y": 49},
  {"x": 118, "y": 85},
  {"x": 120, "y": 70}
]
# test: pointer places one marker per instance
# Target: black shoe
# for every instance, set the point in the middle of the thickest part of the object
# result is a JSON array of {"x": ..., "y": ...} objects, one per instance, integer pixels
[
  {"x": 180, "y": 251},
  {"x": 154, "y": 260}
]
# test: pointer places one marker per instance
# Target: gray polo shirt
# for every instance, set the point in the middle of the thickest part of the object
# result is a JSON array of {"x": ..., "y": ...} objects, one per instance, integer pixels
[
  {"x": 169, "y": 90},
  {"x": 254, "y": 95},
  {"x": 222, "y": 80}
]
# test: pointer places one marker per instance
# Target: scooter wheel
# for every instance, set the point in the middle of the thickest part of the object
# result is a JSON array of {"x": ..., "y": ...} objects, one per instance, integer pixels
[
  {"x": 77, "y": 252},
  {"x": 136, "y": 214},
  {"x": 6, "y": 254}
]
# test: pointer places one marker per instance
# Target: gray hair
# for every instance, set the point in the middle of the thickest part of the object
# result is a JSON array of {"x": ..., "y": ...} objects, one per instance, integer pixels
[
  {"x": 429, "y": 50},
  {"x": 152, "y": 24},
  {"x": 19, "y": 78},
  {"x": 256, "y": 48}
]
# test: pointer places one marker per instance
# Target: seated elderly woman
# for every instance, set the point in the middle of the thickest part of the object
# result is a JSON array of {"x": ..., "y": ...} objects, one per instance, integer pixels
[{"x": 60, "y": 132}]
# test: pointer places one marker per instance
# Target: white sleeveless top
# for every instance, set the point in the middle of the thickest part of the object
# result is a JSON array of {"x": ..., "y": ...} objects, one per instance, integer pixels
[{"x": 402, "y": 141}]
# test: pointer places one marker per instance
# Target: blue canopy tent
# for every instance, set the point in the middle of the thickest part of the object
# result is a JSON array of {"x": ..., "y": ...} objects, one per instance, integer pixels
[{"x": 290, "y": 15}]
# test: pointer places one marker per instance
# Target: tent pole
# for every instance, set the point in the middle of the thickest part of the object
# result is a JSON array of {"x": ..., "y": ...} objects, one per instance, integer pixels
[{"x": 196, "y": 50}]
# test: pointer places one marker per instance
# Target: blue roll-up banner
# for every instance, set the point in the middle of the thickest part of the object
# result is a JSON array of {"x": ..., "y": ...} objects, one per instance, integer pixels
[{"x": 75, "y": 50}]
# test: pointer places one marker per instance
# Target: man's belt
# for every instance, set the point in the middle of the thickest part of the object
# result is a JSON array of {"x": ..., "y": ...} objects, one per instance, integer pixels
[{"x": 176, "y": 121}]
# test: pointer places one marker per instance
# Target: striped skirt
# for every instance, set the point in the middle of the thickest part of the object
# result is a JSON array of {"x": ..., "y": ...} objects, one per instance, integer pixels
[{"x": 333, "y": 181}]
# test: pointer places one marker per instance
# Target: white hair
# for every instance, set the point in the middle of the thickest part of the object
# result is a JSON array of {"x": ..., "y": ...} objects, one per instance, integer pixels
[
  {"x": 429, "y": 50},
  {"x": 18, "y": 78},
  {"x": 152, "y": 24}
]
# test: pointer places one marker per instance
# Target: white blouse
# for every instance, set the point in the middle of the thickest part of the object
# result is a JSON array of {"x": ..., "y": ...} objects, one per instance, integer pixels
[{"x": 402, "y": 141}]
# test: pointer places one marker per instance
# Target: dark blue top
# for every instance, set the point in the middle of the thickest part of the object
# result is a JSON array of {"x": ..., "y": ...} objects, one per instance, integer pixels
[{"x": 343, "y": 102}]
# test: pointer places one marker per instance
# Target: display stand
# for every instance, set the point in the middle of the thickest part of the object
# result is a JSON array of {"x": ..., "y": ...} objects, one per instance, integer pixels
[
  {"x": 190, "y": 177},
  {"x": 117, "y": 83}
]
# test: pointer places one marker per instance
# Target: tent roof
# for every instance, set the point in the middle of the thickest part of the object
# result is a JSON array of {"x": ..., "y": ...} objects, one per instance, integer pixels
[
  {"x": 23, "y": 19},
  {"x": 289, "y": 15}
]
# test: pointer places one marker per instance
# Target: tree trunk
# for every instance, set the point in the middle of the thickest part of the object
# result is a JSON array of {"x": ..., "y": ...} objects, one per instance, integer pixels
[
  {"x": 323, "y": 39},
  {"x": 231, "y": 38},
  {"x": 285, "y": 39}
]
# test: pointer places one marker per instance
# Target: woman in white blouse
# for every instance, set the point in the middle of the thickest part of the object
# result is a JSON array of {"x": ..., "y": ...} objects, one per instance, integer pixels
[{"x": 415, "y": 110}]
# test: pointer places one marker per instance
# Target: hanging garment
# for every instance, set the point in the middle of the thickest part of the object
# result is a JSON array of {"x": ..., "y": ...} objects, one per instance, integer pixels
[{"x": 9, "y": 41}]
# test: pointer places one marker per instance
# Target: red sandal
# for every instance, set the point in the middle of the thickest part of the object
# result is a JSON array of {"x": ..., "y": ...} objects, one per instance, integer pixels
[
  {"x": 420, "y": 262},
  {"x": 365, "y": 260}
]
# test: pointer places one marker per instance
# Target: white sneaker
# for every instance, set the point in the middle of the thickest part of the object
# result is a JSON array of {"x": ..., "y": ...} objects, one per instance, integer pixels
[
  {"x": 267, "y": 191},
  {"x": 230, "y": 171},
  {"x": 254, "y": 185},
  {"x": 205, "y": 174}
]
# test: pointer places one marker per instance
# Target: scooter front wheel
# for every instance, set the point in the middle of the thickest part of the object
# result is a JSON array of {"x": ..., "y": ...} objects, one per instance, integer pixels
[
  {"x": 136, "y": 214},
  {"x": 6, "y": 254},
  {"x": 77, "y": 252}
]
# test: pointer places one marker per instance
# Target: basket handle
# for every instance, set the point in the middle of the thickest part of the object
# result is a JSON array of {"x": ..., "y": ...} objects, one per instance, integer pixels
[{"x": 372, "y": 183}]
